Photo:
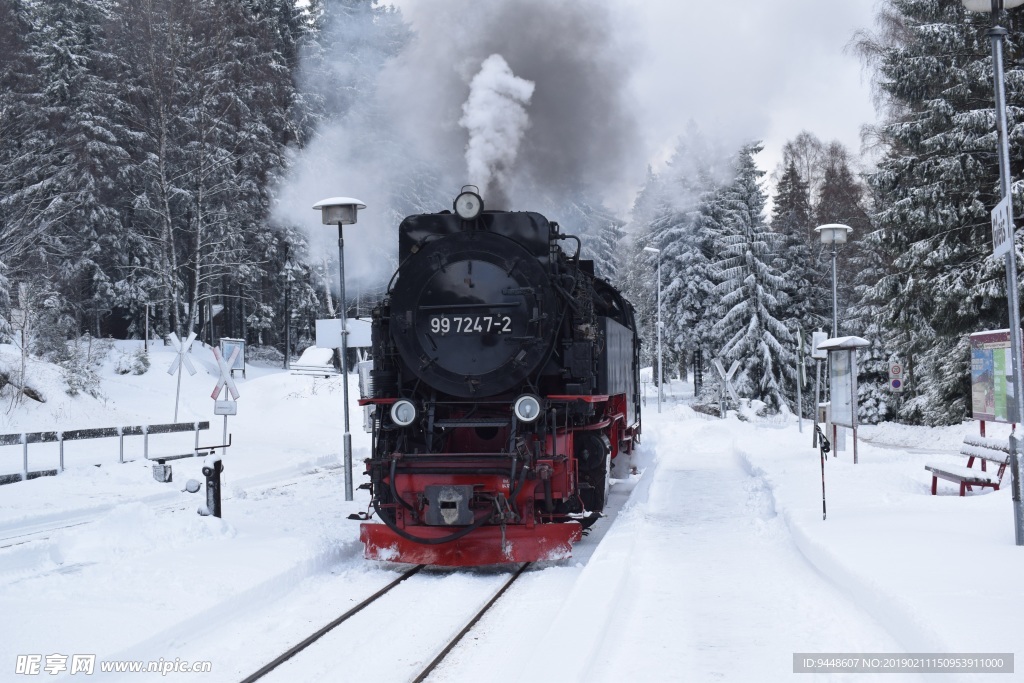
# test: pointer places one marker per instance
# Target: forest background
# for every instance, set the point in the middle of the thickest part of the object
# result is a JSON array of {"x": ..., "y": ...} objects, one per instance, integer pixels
[{"x": 159, "y": 160}]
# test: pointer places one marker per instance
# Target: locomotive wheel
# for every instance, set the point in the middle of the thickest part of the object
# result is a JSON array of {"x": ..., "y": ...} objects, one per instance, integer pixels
[{"x": 594, "y": 458}]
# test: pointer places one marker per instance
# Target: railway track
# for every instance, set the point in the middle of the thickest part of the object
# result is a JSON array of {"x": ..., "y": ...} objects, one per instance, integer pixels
[{"x": 442, "y": 652}]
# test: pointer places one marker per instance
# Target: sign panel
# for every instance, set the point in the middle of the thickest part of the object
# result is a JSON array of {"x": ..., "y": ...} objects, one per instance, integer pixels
[
  {"x": 992, "y": 377},
  {"x": 843, "y": 370},
  {"x": 817, "y": 338},
  {"x": 225, "y": 407},
  {"x": 328, "y": 333},
  {"x": 895, "y": 377},
  {"x": 1002, "y": 230}
]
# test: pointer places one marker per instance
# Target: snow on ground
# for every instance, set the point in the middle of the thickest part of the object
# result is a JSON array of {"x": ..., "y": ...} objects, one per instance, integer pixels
[{"x": 719, "y": 565}]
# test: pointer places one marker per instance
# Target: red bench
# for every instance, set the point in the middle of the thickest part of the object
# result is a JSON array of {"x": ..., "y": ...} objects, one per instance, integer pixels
[{"x": 978, "y": 448}]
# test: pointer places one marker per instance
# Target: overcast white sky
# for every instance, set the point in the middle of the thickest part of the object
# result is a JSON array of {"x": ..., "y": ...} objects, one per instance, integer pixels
[{"x": 742, "y": 69}]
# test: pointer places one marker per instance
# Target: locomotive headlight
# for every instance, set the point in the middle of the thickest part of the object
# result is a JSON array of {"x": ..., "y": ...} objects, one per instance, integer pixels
[
  {"x": 526, "y": 408},
  {"x": 468, "y": 205},
  {"x": 403, "y": 413}
]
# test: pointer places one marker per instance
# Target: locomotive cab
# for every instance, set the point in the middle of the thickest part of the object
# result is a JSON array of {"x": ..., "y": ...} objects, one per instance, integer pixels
[{"x": 505, "y": 375}]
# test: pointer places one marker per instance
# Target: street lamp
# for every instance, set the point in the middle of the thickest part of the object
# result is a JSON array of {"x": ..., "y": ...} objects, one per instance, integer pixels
[
  {"x": 835, "y": 234},
  {"x": 996, "y": 34},
  {"x": 288, "y": 267},
  {"x": 660, "y": 376},
  {"x": 342, "y": 211}
]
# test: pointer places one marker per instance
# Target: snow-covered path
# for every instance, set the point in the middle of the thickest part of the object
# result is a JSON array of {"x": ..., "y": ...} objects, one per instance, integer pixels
[{"x": 712, "y": 585}]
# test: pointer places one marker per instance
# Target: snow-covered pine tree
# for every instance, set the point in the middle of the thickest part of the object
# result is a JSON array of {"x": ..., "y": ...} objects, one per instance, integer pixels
[
  {"x": 752, "y": 291},
  {"x": 792, "y": 221},
  {"x": 638, "y": 277},
  {"x": 18, "y": 87},
  {"x": 840, "y": 200},
  {"x": 694, "y": 173},
  {"x": 935, "y": 187},
  {"x": 78, "y": 155}
]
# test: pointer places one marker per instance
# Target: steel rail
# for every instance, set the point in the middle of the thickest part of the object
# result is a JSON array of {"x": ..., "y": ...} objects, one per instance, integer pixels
[
  {"x": 469, "y": 627},
  {"x": 299, "y": 647}
]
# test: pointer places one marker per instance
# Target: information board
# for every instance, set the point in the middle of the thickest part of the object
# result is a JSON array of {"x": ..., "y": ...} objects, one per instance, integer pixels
[
  {"x": 842, "y": 374},
  {"x": 227, "y": 348},
  {"x": 992, "y": 377}
]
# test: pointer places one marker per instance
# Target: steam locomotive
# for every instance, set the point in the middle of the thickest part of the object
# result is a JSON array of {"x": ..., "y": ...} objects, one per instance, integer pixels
[{"x": 504, "y": 384}]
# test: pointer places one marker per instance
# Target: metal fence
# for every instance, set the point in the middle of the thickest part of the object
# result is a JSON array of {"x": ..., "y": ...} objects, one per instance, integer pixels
[{"x": 59, "y": 437}]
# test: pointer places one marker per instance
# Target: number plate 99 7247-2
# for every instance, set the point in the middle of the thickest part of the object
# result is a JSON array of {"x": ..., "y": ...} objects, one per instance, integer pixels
[{"x": 471, "y": 324}]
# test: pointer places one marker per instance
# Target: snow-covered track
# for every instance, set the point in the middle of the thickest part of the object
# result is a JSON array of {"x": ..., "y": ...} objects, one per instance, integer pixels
[
  {"x": 306, "y": 642},
  {"x": 469, "y": 626},
  {"x": 447, "y": 637},
  {"x": 25, "y": 537}
]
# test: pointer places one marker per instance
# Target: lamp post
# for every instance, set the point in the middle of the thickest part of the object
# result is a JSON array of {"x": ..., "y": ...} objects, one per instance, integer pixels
[
  {"x": 342, "y": 211},
  {"x": 660, "y": 376},
  {"x": 288, "y": 314},
  {"x": 996, "y": 34},
  {"x": 835, "y": 234}
]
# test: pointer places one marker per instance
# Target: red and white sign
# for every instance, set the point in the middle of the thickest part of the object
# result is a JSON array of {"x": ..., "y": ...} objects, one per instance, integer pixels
[
  {"x": 895, "y": 377},
  {"x": 226, "y": 380}
]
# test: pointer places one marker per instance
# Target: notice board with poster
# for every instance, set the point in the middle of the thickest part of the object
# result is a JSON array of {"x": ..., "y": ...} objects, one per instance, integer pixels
[
  {"x": 228, "y": 347},
  {"x": 992, "y": 377}
]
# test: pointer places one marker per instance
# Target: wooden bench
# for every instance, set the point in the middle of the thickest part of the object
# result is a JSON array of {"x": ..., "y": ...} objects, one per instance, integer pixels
[
  {"x": 315, "y": 370},
  {"x": 315, "y": 362},
  {"x": 979, "y": 448}
]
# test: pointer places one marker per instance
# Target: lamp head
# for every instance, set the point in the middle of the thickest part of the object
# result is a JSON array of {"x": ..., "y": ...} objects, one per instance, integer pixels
[
  {"x": 835, "y": 233},
  {"x": 338, "y": 210}
]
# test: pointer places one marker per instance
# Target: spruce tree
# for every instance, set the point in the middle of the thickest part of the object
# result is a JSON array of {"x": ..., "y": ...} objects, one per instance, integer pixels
[
  {"x": 752, "y": 291},
  {"x": 935, "y": 187}
]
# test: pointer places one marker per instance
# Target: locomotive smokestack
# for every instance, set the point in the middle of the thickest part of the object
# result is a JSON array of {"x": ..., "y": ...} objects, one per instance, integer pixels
[{"x": 495, "y": 116}]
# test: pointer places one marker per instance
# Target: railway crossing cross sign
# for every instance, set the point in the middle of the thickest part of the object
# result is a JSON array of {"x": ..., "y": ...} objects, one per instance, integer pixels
[
  {"x": 727, "y": 382},
  {"x": 181, "y": 349},
  {"x": 226, "y": 381},
  {"x": 179, "y": 360}
]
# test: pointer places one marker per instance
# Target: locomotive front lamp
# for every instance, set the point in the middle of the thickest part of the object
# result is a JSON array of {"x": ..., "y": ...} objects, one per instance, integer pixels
[
  {"x": 468, "y": 205},
  {"x": 403, "y": 413},
  {"x": 526, "y": 408},
  {"x": 342, "y": 211},
  {"x": 1004, "y": 211}
]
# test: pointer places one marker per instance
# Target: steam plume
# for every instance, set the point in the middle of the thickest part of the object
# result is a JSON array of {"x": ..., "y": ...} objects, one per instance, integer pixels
[{"x": 496, "y": 119}]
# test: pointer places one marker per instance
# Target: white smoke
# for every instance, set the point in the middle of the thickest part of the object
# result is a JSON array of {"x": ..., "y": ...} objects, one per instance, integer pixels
[{"x": 496, "y": 119}]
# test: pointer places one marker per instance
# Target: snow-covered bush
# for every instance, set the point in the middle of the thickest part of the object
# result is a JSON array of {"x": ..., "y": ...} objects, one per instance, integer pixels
[
  {"x": 135, "y": 363},
  {"x": 78, "y": 366},
  {"x": 264, "y": 354}
]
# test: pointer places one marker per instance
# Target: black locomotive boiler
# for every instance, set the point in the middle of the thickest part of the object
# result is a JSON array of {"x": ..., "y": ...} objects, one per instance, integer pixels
[{"x": 505, "y": 382}]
